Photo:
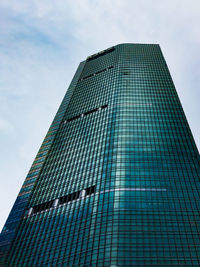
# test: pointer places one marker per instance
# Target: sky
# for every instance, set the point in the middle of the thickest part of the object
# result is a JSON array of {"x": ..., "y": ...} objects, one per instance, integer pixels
[{"x": 41, "y": 45}]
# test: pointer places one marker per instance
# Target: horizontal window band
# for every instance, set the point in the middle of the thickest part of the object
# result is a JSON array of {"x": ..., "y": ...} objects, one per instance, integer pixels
[
  {"x": 100, "y": 54},
  {"x": 96, "y": 73},
  {"x": 85, "y": 113},
  {"x": 136, "y": 189},
  {"x": 61, "y": 201},
  {"x": 76, "y": 196}
]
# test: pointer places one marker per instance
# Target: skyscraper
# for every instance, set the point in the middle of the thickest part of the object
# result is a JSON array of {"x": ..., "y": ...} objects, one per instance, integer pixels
[{"x": 116, "y": 180}]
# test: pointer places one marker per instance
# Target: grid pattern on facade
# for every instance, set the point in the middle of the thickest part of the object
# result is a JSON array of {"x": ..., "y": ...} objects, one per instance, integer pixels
[{"x": 139, "y": 153}]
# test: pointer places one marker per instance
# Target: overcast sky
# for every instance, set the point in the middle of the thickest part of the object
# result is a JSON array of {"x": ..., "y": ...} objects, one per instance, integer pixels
[{"x": 41, "y": 45}]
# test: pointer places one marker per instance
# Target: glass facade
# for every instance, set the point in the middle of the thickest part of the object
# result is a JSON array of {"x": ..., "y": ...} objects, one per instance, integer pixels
[{"x": 116, "y": 180}]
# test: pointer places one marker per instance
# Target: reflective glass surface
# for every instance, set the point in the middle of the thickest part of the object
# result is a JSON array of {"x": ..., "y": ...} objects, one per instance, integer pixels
[{"x": 116, "y": 181}]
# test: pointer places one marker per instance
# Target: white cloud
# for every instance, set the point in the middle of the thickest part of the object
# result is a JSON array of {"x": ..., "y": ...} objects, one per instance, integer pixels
[{"x": 5, "y": 126}]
